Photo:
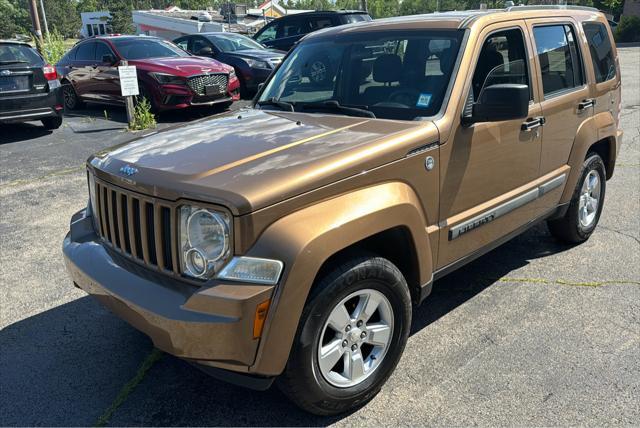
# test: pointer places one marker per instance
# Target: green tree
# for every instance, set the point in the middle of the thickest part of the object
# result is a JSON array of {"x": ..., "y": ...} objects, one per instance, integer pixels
[{"x": 14, "y": 18}]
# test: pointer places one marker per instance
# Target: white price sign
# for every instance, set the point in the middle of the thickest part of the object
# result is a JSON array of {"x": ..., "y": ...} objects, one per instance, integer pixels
[{"x": 128, "y": 80}]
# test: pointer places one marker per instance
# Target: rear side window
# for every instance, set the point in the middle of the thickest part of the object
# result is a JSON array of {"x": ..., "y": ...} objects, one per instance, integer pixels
[
  {"x": 601, "y": 51},
  {"x": 320, "y": 23},
  {"x": 293, "y": 27},
  {"x": 18, "y": 54},
  {"x": 85, "y": 52},
  {"x": 559, "y": 59}
]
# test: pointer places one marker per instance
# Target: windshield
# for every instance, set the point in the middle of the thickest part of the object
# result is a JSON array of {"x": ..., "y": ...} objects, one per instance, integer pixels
[
  {"x": 139, "y": 48},
  {"x": 234, "y": 43},
  {"x": 393, "y": 75}
]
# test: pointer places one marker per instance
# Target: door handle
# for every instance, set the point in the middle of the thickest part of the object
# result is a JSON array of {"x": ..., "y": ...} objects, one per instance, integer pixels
[
  {"x": 585, "y": 104},
  {"x": 532, "y": 124}
]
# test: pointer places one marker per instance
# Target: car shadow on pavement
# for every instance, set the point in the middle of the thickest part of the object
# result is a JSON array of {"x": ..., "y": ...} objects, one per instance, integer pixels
[
  {"x": 67, "y": 365},
  {"x": 16, "y": 132}
]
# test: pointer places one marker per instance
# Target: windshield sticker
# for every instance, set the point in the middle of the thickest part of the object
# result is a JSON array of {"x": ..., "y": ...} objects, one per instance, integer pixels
[{"x": 424, "y": 100}]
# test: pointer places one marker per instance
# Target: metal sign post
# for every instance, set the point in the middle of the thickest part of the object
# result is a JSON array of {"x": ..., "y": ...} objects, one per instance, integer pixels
[{"x": 128, "y": 86}]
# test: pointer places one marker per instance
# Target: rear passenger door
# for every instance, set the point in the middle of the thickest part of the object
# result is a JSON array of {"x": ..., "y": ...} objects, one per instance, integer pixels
[
  {"x": 81, "y": 68},
  {"x": 564, "y": 92}
]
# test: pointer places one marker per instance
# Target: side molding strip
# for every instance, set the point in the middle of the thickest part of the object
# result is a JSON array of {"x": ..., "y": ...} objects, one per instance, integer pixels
[{"x": 505, "y": 208}]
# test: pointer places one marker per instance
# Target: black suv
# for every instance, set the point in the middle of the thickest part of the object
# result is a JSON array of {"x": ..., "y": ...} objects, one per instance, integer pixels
[
  {"x": 29, "y": 87},
  {"x": 284, "y": 32}
]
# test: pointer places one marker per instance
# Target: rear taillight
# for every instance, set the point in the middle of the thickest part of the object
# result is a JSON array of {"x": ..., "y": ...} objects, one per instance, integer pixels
[{"x": 49, "y": 72}]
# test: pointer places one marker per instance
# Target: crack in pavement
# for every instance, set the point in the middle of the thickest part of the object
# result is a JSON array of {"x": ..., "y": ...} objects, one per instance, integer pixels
[
  {"x": 620, "y": 232},
  {"x": 569, "y": 283},
  {"x": 153, "y": 357}
]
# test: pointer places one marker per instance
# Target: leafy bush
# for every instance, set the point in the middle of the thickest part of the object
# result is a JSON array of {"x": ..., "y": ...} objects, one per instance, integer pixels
[
  {"x": 143, "y": 117},
  {"x": 54, "y": 47},
  {"x": 628, "y": 30}
]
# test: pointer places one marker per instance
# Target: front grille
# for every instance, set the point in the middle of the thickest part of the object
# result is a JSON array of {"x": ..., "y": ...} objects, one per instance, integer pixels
[
  {"x": 199, "y": 83},
  {"x": 137, "y": 226}
]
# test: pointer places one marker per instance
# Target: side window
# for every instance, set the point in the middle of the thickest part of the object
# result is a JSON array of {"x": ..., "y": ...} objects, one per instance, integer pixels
[
  {"x": 268, "y": 34},
  {"x": 85, "y": 52},
  {"x": 293, "y": 27},
  {"x": 560, "y": 63},
  {"x": 182, "y": 43},
  {"x": 601, "y": 51},
  {"x": 320, "y": 23},
  {"x": 102, "y": 50},
  {"x": 503, "y": 59},
  {"x": 199, "y": 43}
]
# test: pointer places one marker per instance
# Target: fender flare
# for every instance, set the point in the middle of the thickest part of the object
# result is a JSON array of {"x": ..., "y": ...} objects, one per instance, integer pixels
[
  {"x": 597, "y": 128},
  {"x": 305, "y": 239}
]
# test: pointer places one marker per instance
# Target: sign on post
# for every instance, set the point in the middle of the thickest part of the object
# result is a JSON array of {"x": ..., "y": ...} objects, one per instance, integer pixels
[
  {"x": 128, "y": 86},
  {"x": 128, "y": 80}
]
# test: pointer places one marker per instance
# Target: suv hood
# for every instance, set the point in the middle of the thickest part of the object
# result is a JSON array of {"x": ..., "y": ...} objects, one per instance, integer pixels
[
  {"x": 257, "y": 54},
  {"x": 251, "y": 159},
  {"x": 181, "y": 66}
]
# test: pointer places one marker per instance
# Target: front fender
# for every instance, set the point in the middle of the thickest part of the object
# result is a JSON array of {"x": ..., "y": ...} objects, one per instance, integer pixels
[
  {"x": 305, "y": 239},
  {"x": 601, "y": 126}
]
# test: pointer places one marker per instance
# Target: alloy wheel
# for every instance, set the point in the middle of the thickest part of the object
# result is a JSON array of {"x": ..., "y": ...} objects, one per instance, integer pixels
[
  {"x": 355, "y": 338},
  {"x": 589, "y": 199}
]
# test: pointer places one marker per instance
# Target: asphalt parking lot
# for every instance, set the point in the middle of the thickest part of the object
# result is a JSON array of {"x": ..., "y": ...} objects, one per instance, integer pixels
[{"x": 534, "y": 333}]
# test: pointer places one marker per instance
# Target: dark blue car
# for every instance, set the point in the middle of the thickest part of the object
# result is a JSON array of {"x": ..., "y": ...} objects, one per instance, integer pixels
[{"x": 252, "y": 61}]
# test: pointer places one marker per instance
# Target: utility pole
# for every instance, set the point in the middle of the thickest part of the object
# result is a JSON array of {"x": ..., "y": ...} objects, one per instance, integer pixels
[
  {"x": 364, "y": 6},
  {"x": 35, "y": 21},
  {"x": 44, "y": 17}
]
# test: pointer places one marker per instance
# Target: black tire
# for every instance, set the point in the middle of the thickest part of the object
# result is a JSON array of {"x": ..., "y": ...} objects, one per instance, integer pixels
[
  {"x": 302, "y": 381},
  {"x": 71, "y": 99},
  {"x": 52, "y": 122},
  {"x": 568, "y": 228}
]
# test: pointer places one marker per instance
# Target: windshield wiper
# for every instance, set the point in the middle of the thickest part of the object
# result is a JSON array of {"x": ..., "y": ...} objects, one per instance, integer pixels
[
  {"x": 282, "y": 105},
  {"x": 14, "y": 61},
  {"x": 336, "y": 106}
]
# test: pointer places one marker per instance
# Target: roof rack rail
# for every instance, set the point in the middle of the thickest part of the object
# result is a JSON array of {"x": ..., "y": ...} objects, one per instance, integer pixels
[{"x": 551, "y": 6}]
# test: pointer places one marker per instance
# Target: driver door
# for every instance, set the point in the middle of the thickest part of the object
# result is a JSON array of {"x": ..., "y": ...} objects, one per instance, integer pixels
[{"x": 486, "y": 165}]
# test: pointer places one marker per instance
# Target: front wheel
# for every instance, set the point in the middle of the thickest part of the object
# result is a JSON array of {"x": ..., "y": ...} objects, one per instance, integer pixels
[
  {"x": 586, "y": 204},
  {"x": 351, "y": 336}
]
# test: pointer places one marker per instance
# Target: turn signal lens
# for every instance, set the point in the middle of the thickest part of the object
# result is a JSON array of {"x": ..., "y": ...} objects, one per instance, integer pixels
[{"x": 261, "y": 316}]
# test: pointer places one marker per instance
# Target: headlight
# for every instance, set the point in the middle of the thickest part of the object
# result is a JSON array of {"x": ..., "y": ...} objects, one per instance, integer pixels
[
  {"x": 167, "y": 79},
  {"x": 254, "y": 63},
  {"x": 204, "y": 241}
]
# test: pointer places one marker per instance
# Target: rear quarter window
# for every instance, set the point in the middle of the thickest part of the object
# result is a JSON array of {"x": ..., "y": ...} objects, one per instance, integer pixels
[
  {"x": 601, "y": 51},
  {"x": 14, "y": 53}
]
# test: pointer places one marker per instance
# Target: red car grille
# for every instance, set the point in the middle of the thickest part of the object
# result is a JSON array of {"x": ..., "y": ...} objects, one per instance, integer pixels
[{"x": 199, "y": 83}]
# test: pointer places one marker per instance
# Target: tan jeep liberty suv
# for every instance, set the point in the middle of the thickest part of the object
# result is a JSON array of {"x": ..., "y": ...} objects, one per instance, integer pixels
[{"x": 290, "y": 240}]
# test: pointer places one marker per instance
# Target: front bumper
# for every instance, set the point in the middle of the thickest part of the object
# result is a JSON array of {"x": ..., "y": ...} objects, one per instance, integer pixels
[
  {"x": 22, "y": 108},
  {"x": 173, "y": 97},
  {"x": 210, "y": 325}
]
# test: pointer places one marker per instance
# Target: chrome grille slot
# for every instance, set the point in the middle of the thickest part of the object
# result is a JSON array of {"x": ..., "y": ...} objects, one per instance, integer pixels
[
  {"x": 139, "y": 227},
  {"x": 198, "y": 83}
]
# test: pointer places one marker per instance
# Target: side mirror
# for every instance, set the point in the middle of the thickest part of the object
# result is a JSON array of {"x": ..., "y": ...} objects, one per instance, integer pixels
[
  {"x": 206, "y": 51},
  {"x": 505, "y": 101},
  {"x": 108, "y": 59}
]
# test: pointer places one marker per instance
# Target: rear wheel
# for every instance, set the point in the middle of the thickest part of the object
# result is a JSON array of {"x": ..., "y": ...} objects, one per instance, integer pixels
[
  {"x": 586, "y": 204},
  {"x": 71, "y": 99},
  {"x": 351, "y": 335},
  {"x": 52, "y": 122}
]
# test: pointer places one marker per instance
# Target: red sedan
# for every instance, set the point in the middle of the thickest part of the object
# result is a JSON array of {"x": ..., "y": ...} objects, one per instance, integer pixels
[{"x": 168, "y": 77}]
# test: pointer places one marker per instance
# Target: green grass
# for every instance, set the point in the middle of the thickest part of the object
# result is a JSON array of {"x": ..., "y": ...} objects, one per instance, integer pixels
[
  {"x": 143, "y": 117},
  {"x": 128, "y": 388}
]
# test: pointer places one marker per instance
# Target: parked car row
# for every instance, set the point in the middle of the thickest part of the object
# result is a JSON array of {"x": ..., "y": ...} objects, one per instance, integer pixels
[{"x": 206, "y": 69}]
